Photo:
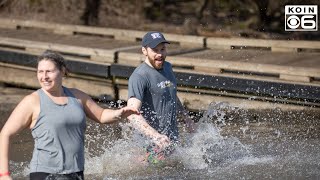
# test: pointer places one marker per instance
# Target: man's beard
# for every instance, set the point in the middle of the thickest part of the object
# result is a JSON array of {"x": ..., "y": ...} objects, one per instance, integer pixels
[{"x": 156, "y": 65}]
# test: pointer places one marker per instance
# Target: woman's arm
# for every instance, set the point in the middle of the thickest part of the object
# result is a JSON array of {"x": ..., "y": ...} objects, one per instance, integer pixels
[
  {"x": 99, "y": 114},
  {"x": 20, "y": 118}
]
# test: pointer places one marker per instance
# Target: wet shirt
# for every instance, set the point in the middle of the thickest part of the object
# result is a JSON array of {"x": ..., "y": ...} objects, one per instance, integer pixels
[
  {"x": 157, "y": 90},
  {"x": 59, "y": 136}
]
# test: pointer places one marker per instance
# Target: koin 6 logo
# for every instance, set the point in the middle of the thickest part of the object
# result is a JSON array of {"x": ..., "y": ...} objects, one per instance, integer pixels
[{"x": 301, "y": 18}]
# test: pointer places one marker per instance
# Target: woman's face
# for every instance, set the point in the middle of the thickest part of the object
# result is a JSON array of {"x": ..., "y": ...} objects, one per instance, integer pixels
[{"x": 49, "y": 75}]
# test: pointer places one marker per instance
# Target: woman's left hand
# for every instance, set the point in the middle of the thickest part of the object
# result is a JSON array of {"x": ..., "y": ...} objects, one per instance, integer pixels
[{"x": 127, "y": 111}]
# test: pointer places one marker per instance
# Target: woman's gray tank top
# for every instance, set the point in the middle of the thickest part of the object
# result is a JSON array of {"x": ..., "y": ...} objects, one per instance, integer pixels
[{"x": 59, "y": 136}]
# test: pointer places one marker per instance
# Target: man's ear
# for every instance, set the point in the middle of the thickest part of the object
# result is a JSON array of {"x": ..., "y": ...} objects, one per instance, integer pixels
[{"x": 144, "y": 51}]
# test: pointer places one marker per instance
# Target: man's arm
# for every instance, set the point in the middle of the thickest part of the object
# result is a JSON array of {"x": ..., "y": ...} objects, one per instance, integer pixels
[
  {"x": 139, "y": 122},
  {"x": 184, "y": 114}
]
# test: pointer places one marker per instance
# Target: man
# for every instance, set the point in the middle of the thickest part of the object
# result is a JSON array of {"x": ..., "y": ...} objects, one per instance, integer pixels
[{"x": 153, "y": 90}]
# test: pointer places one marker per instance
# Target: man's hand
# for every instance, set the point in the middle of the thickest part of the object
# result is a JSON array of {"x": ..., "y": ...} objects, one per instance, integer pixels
[
  {"x": 5, "y": 178},
  {"x": 162, "y": 141}
]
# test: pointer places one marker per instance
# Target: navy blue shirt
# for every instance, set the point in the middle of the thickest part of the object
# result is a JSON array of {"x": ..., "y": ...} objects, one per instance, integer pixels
[{"x": 157, "y": 90}]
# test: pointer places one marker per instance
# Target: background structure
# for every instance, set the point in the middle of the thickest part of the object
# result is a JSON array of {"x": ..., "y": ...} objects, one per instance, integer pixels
[{"x": 220, "y": 18}]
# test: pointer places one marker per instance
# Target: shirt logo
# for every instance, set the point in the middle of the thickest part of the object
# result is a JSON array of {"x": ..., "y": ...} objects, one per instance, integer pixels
[
  {"x": 155, "y": 35},
  {"x": 164, "y": 84}
]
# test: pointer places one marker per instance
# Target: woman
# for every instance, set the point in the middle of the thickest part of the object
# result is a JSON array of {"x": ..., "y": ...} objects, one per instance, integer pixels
[{"x": 56, "y": 116}]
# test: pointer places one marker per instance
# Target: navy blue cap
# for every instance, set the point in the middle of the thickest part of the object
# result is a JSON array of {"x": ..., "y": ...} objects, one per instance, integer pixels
[{"x": 152, "y": 39}]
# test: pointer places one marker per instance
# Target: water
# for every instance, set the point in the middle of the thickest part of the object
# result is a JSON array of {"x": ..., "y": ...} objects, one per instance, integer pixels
[{"x": 230, "y": 143}]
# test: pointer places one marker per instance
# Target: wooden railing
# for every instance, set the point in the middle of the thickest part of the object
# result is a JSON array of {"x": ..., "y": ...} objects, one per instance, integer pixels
[{"x": 206, "y": 67}]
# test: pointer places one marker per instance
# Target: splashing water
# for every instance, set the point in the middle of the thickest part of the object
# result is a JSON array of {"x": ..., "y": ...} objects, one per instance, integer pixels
[
  {"x": 204, "y": 150},
  {"x": 207, "y": 148},
  {"x": 229, "y": 143}
]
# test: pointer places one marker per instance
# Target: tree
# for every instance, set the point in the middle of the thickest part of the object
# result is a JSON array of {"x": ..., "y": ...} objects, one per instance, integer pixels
[{"x": 91, "y": 12}]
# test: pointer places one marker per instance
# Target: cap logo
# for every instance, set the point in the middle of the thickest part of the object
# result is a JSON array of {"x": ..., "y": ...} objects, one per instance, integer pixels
[{"x": 155, "y": 35}]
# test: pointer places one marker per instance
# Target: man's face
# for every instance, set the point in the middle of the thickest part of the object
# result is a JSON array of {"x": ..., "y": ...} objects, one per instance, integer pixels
[{"x": 156, "y": 56}]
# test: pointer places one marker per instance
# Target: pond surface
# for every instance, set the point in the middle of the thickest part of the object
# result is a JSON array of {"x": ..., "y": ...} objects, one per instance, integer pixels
[{"x": 230, "y": 143}]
